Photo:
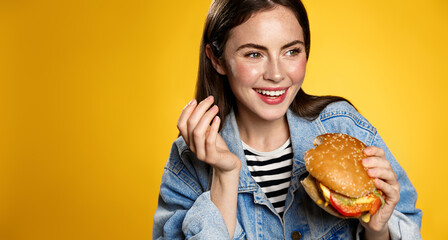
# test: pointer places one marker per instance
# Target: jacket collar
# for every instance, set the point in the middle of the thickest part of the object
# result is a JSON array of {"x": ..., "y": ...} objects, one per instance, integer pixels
[
  {"x": 231, "y": 136},
  {"x": 302, "y": 133}
]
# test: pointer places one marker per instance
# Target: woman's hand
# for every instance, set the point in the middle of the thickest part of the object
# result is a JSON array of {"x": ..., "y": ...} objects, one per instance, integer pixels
[
  {"x": 385, "y": 179},
  {"x": 203, "y": 138}
]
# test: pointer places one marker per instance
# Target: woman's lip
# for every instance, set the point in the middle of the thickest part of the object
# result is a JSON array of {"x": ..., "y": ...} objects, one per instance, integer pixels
[
  {"x": 272, "y": 88},
  {"x": 272, "y": 100}
]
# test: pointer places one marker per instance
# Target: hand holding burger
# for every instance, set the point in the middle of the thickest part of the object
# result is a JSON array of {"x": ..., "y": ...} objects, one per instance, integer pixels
[
  {"x": 385, "y": 179},
  {"x": 349, "y": 180}
]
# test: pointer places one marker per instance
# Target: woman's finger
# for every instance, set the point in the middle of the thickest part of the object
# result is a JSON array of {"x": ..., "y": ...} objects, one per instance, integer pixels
[
  {"x": 380, "y": 168},
  {"x": 200, "y": 132},
  {"x": 195, "y": 117},
  {"x": 376, "y": 162},
  {"x": 210, "y": 142},
  {"x": 392, "y": 191},
  {"x": 374, "y": 151},
  {"x": 182, "y": 122},
  {"x": 386, "y": 175}
]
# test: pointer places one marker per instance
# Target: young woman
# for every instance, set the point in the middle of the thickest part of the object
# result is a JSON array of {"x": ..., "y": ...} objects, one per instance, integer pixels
[{"x": 235, "y": 170}]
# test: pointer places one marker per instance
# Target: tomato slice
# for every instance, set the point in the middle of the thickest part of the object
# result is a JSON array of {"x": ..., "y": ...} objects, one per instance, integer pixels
[
  {"x": 343, "y": 208},
  {"x": 348, "y": 207},
  {"x": 375, "y": 206}
]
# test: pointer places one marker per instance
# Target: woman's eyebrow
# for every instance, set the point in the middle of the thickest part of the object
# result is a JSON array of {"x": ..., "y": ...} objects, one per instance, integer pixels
[
  {"x": 293, "y": 43},
  {"x": 252, "y": 45},
  {"x": 257, "y": 46}
]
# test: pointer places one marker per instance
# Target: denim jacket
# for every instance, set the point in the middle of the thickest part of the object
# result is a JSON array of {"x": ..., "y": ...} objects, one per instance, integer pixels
[{"x": 185, "y": 210}]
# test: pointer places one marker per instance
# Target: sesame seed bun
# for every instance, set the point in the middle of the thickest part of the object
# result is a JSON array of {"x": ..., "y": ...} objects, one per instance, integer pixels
[{"x": 336, "y": 163}]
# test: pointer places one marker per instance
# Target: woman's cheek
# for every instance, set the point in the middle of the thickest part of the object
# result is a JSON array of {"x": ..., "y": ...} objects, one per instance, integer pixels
[
  {"x": 296, "y": 71},
  {"x": 245, "y": 72}
]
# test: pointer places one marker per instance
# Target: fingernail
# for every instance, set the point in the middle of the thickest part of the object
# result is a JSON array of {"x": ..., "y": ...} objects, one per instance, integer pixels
[
  {"x": 367, "y": 150},
  {"x": 365, "y": 162},
  {"x": 192, "y": 102},
  {"x": 377, "y": 182},
  {"x": 209, "y": 98},
  {"x": 214, "y": 108}
]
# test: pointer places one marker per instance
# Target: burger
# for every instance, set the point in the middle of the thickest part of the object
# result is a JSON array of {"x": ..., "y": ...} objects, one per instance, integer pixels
[{"x": 337, "y": 180}]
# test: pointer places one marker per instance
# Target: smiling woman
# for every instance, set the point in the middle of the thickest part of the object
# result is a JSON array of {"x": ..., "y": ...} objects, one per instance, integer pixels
[
  {"x": 90, "y": 93},
  {"x": 249, "y": 99},
  {"x": 259, "y": 65},
  {"x": 215, "y": 46}
]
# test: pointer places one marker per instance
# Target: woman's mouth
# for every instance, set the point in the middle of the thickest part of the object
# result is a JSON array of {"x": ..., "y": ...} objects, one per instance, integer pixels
[
  {"x": 269, "y": 93},
  {"x": 272, "y": 96}
]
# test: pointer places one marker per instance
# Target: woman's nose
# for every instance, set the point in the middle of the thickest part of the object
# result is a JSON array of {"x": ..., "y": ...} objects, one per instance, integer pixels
[{"x": 273, "y": 71}]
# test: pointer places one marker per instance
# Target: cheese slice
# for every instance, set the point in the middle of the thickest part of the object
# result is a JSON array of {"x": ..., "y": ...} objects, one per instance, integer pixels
[
  {"x": 325, "y": 192},
  {"x": 362, "y": 200}
]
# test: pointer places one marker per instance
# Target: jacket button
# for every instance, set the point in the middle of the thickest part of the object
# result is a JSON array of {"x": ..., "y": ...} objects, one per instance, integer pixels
[{"x": 296, "y": 235}]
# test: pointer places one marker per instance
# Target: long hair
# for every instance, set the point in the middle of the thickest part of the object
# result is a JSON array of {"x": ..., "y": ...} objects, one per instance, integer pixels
[{"x": 224, "y": 15}]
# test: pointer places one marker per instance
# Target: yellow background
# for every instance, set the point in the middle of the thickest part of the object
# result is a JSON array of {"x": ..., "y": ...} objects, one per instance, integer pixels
[{"x": 90, "y": 92}]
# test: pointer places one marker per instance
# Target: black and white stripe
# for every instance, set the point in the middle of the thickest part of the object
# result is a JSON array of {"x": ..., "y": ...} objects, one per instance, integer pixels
[{"x": 272, "y": 171}]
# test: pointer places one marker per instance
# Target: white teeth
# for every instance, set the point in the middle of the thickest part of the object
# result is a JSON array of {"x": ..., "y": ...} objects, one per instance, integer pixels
[{"x": 271, "y": 93}]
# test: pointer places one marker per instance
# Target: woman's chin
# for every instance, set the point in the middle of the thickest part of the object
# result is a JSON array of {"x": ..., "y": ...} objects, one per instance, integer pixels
[{"x": 272, "y": 115}]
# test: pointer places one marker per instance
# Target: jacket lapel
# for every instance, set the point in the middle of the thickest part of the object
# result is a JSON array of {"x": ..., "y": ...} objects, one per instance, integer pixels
[{"x": 302, "y": 133}]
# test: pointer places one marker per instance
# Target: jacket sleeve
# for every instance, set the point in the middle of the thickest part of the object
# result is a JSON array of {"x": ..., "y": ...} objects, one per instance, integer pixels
[
  {"x": 406, "y": 220},
  {"x": 185, "y": 210}
]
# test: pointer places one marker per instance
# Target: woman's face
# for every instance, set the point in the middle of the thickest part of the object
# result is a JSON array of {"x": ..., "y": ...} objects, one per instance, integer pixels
[{"x": 265, "y": 62}]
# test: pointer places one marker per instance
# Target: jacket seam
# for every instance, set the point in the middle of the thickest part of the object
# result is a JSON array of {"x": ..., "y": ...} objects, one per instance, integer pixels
[
  {"x": 335, "y": 228},
  {"x": 358, "y": 122},
  {"x": 373, "y": 139},
  {"x": 241, "y": 234},
  {"x": 183, "y": 180},
  {"x": 321, "y": 126}
]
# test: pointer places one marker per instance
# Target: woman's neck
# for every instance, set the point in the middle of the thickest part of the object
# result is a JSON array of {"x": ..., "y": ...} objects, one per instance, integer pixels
[{"x": 260, "y": 134}]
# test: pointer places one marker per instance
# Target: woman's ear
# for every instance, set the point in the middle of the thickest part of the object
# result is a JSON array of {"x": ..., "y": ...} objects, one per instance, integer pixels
[{"x": 217, "y": 64}]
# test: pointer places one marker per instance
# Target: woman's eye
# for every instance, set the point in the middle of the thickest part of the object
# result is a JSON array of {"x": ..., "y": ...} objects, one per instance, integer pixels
[
  {"x": 293, "y": 52},
  {"x": 253, "y": 55}
]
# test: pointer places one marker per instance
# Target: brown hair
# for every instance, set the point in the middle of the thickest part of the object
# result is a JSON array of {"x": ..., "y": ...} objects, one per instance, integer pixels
[{"x": 224, "y": 15}]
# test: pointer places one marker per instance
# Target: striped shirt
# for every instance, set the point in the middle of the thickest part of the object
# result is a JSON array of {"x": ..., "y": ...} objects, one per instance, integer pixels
[{"x": 272, "y": 171}]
